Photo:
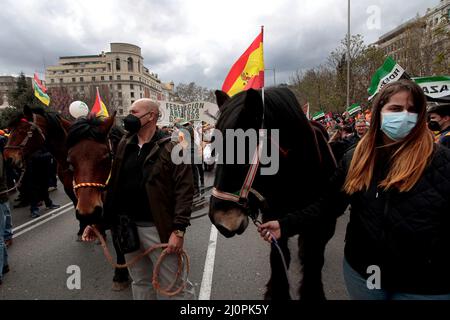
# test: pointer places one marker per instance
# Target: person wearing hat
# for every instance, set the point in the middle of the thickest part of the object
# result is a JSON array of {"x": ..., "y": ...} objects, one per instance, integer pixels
[{"x": 439, "y": 121}]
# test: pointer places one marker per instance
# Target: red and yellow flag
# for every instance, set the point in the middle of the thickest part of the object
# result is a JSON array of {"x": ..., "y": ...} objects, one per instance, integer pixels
[
  {"x": 40, "y": 91},
  {"x": 99, "y": 108},
  {"x": 39, "y": 83},
  {"x": 248, "y": 71}
]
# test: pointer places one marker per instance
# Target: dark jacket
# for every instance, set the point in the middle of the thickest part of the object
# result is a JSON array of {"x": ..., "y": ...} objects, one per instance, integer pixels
[
  {"x": 444, "y": 137},
  {"x": 169, "y": 187},
  {"x": 406, "y": 234}
]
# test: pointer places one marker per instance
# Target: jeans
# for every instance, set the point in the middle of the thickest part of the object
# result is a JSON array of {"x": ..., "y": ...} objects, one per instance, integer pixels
[
  {"x": 4, "y": 211},
  {"x": 8, "y": 223},
  {"x": 358, "y": 290}
]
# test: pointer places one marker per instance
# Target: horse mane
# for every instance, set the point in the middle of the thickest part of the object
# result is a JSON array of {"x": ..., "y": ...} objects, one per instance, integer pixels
[
  {"x": 281, "y": 111},
  {"x": 86, "y": 128},
  {"x": 53, "y": 119}
]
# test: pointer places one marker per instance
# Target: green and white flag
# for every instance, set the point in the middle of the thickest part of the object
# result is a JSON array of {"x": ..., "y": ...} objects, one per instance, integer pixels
[
  {"x": 354, "y": 108},
  {"x": 318, "y": 115},
  {"x": 435, "y": 88},
  {"x": 390, "y": 71}
]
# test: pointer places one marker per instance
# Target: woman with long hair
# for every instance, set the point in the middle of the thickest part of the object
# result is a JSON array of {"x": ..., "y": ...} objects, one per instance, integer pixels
[{"x": 397, "y": 182}]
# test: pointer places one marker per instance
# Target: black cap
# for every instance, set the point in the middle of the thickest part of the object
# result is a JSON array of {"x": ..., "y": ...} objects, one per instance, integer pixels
[{"x": 442, "y": 109}]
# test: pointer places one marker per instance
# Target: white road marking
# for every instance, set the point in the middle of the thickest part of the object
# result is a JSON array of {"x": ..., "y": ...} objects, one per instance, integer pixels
[
  {"x": 205, "y": 288},
  {"x": 41, "y": 217},
  {"x": 42, "y": 222}
]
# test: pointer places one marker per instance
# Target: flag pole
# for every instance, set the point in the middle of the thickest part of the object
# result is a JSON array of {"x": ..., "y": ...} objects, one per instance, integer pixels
[
  {"x": 348, "y": 57},
  {"x": 262, "y": 91}
]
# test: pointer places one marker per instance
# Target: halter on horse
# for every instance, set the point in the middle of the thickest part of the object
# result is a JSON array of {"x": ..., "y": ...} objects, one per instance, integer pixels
[
  {"x": 305, "y": 164},
  {"x": 91, "y": 143}
]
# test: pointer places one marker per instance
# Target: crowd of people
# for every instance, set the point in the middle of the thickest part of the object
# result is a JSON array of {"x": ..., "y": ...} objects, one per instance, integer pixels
[{"x": 394, "y": 172}]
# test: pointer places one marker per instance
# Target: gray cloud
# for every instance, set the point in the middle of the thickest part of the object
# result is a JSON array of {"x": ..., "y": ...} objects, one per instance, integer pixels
[{"x": 189, "y": 41}]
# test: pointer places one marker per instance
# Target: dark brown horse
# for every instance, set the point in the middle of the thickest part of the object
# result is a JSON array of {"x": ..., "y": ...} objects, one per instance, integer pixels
[
  {"x": 91, "y": 145},
  {"x": 305, "y": 164},
  {"x": 31, "y": 130},
  {"x": 34, "y": 129}
]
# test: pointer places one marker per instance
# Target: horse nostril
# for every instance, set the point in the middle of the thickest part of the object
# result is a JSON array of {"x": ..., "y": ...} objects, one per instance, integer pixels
[{"x": 225, "y": 232}]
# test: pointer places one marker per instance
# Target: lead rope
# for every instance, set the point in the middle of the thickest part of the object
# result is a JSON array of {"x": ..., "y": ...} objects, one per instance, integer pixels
[
  {"x": 182, "y": 256},
  {"x": 275, "y": 244}
]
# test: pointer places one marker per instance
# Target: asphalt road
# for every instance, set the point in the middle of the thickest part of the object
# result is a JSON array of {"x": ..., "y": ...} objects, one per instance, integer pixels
[{"x": 43, "y": 249}]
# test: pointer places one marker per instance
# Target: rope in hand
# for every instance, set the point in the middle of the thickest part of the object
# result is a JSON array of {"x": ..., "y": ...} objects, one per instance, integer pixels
[
  {"x": 275, "y": 244},
  {"x": 155, "y": 282}
]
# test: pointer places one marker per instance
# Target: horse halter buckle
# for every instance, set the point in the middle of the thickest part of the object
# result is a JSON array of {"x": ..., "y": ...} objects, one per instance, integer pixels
[{"x": 241, "y": 197}]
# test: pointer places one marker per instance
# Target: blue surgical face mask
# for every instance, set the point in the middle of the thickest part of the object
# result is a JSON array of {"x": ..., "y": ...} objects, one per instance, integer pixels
[{"x": 397, "y": 125}]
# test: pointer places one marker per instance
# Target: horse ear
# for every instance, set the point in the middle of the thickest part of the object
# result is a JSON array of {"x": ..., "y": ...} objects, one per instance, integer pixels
[
  {"x": 108, "y": 122},
  {"x": 253, "y": 106},
  {"x": 27, "y": 112},
  {"x": 65, "y": 123},
  {"x": 221, "y": 98}
]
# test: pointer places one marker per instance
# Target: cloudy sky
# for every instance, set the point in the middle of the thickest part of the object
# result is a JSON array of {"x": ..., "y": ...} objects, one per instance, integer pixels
[{"x": 191, "y": 40}]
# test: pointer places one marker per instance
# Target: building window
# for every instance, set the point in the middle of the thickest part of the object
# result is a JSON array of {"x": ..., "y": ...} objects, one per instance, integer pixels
[
  {"x": 73, "y": 79},
  {"x": 81, "y": 79},
  {"x": 109, "y": 67},
  {"x": 141, "y": 95},
  {"x": 139, "y": 61},
  {"x": 119, "y": 94},
  {"x": 117, "y": 64},
  {"x": 130, "y": 64},
  {"x": 110, "y": 78},
  {"x": 53, "y": 81},
  {"x": 119, "y": 87},
  {"x": 132, "y": 94},
  {"x": 61, "y": 80},
  {"x": 118, "y": 77},
  {"x": 102, "y": 78},
  {"x": 81, "y": 88},
  {"x": 131, "y": 78},
  {"x": 120, "y": 112},
  {"x": 93, "y": 78},
  {"x": 132, "y": 101},
  {"x": 132, "y": 86},
  {"x": 110, "y": 86}
]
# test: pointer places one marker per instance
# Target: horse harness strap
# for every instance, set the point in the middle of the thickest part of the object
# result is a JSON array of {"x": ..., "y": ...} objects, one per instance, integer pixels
[
  {"x": 241, "y": 197},
  {"x": 96, "y": 184},
  {"x": 33, "y": 126}
]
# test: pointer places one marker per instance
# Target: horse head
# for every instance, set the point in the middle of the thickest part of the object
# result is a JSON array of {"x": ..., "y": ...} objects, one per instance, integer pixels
[
  {"x": 243, "y": 189},
  {"x": 28, "y": 134},
  {"x": 90, "y": 159},
  {"x": 243, "y": 111}
]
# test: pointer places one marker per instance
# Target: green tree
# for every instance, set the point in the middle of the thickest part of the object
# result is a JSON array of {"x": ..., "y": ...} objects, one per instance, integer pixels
[
  {"x": 325, "y": 87},
  {"x": 192, "y": 92},
  {"x": 23, "y": 94}
]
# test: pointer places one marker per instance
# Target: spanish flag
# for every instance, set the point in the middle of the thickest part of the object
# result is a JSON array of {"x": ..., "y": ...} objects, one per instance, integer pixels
[
  {"x": 40, "y": 91},
  {"x": 248, "y": 71},
  {"x": 99, "y": 108}
]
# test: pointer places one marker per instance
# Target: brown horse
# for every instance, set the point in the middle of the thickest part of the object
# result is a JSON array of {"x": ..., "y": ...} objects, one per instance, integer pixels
[
  {"x": 31, "y": 130},
  {"x": 91, "y": 144},
  {"x": 34, "y": 129}
]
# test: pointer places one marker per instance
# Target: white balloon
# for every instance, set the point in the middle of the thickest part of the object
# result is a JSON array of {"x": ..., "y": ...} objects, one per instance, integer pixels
[{"x": 78, "y": 109}]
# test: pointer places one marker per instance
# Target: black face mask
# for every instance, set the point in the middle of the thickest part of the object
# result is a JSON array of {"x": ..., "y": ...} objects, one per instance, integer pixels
[
  {"x": 434, "y": 126},
  {"x": 132, "y": 124}
]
